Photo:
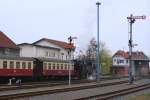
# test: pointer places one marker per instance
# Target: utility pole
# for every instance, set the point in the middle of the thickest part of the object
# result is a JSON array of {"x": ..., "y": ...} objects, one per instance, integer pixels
[
  {"x": 70, "y": 39},
  {"x": 98, "y": 53},
  {"x": 131, "y": 20}
]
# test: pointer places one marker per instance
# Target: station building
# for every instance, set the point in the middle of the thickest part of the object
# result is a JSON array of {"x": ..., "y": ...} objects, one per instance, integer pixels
[
  {"x": 7, "y": 46},
  {"x": 47, "y": 48},
  {"x": 140, "y": 63}
]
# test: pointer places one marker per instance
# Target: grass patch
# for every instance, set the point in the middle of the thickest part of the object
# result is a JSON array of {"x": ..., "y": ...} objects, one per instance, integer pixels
[{"x": 141, "y": 97}]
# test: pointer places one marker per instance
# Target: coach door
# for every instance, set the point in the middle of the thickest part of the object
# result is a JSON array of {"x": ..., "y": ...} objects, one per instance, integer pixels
[{"x": 38, "y": 69}]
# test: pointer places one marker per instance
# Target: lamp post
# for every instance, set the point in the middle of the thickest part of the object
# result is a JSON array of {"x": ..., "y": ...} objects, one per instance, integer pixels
[{"x": 98, "y": 53}]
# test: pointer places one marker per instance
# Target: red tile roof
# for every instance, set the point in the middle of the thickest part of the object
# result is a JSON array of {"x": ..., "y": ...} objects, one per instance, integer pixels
[
  {"x": 5, "y": 42},
  {"x": 135, "y": 55},
  {"x": 138, "y": 56},
  {"x": 122, "y": 54},
  {"x": 59, "y": 43}
]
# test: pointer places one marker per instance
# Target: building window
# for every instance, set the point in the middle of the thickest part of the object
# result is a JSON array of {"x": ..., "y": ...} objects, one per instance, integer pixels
[
  {"x": 5, "y": 64},
  {"x": 127, "y": 61},
  {"x": 122, "y": 61}
]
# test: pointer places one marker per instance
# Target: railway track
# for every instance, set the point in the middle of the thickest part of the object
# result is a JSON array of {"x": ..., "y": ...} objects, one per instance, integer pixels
[
  {"x": 57, "y": 90},
  {"x": 116, "y": 93},
  {"x": 39, "y": 84},
  {"x": 50, "y": 83}
]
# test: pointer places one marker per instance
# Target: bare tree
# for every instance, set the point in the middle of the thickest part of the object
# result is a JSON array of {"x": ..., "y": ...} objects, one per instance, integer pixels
[{"x": 88, "y": 60}]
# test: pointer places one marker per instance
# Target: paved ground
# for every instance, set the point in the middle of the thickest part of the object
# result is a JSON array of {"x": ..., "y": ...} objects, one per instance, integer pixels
[{"x": 84, "y": 93}]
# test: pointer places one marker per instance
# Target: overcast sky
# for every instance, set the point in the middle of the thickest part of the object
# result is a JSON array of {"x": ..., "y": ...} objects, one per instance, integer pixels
[{"x": 31, "y": 20}]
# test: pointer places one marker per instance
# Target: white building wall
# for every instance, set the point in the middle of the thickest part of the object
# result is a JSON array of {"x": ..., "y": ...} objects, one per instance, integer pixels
[
  {"x": 48, "y": 53},
  {"x": 63, "y": 54},
  {"x": 34, "y": 51},
  {"x": 27, "y": 51},
  {"x": 120, "y": 61}
]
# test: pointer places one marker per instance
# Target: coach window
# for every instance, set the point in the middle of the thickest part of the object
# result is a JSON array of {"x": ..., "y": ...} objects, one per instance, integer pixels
[
  {"x": 11, "y": 64},
  {"x": 54, "y": 66},
  {"x": 23, "y": 65},
  {"x": 29, "y": 65},
  {"x": 65, "y": 66},
  {"x": 72, "y": 66},
  {"x": 57, "y": 66},
  {"x": 61, "y": 66},
  {"x": 45, "y": 66},
  {"x": 5, "y": 64},
  {"x": 69, "y": 66},
  {"x": 17, "y": 65},
  {"x": 49, "y": 65}
]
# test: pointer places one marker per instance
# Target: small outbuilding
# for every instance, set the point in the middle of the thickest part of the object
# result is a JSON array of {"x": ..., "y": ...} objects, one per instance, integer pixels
[{"x": 140, "y": 63}]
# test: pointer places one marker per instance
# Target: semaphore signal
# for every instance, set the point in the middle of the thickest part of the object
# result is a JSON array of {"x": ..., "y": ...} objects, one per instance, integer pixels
[
  {"x": 136, "y": 17},
  {"x": 131, "y": 20}
]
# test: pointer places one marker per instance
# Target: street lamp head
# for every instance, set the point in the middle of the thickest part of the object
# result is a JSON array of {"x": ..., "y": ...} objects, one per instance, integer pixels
[{"x": 98, "y": 3}]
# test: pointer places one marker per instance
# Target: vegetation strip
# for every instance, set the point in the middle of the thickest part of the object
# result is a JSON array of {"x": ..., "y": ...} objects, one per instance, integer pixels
[{"x": 21, "y": 95}]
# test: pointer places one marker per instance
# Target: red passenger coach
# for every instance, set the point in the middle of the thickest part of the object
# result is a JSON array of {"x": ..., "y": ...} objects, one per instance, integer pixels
[
  {"x": 34, "y": 68},
  {"x": 56, "y": 68},
  {"x": 16, "y": 67}
]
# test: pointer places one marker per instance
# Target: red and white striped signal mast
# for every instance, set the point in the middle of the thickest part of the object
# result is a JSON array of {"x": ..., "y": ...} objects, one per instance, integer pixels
[{"x": 131, "y": 20}]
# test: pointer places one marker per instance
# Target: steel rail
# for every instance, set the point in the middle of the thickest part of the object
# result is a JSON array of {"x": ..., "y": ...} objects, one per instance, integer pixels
[
  {"x": 29, "y": 94},
  {"x": 40, "y": 84},
  {"x": 116, "y": 93},
  {"x": 44, "y": 84}
]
